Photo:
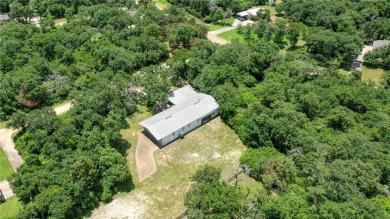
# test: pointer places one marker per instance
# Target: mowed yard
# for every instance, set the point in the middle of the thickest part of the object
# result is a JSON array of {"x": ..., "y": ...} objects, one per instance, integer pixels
[
  {"x": 5, "y": 167},
  {"x": 162, "y": 194},
  {"x": 374, "y": 75},
  {"x": 10, "y": 208}
]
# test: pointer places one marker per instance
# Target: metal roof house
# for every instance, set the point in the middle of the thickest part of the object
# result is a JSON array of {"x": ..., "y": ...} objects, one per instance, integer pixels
[
  {"x": 380, "y": 43},
  {"x": 248, "y": 14},
  {"x": 4, "y": 17},
  {"x": 190, "y": 111}
]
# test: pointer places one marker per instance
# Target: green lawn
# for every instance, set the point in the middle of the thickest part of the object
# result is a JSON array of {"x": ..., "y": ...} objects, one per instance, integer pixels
[
  {"x": 232, "y": 34},
  {"x": 10, "y": 208},
  {"x": 162, "y": 193},
  {"x": 344, "y": 72},
  {"x": 162, "y": 3},
  {"x": 220, "y": 24},
  {"x": 374, "y": 75},
  {"x": 271, "y": 9},
  {"x": 2, "y": 124},
  {"x": 5, "y": 166}
]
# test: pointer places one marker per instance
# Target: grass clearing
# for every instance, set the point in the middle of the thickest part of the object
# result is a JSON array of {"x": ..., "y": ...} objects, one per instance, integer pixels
[
  {"x": 270, "y": 8},
  {"x": 374, "y": 75},
  {"x": 10, "y": 208},
  {"x": 5, "y": 166},
  {"x": 344, "y": 72},
  {"x": 2, "y": 124},
  {"x": 162, "y": 194},
  {"x": 162, "y": 3},
  {"x": 233, "y": 34},
  {"x": 220, "y": 24}
]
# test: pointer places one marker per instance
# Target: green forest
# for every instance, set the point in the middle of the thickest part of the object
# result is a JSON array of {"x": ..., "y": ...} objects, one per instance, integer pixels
[{"x": 318, "y": 141}]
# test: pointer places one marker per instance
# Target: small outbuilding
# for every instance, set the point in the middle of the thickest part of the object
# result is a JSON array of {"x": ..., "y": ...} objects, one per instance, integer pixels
[{"x": 191, "y": 110}]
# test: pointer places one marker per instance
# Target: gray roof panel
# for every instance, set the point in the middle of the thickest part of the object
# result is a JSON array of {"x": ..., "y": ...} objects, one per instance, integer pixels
[{"x": 180, "y": 115}]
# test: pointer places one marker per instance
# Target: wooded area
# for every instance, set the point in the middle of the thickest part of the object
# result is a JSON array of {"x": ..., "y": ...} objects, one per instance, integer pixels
[{"x": 318, "y": 141}]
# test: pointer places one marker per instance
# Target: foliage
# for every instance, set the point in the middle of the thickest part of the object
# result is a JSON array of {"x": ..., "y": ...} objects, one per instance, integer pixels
[
  {"x": 208, "y": 197},
  {"x": 6, "y": 168},
  {"x": 379, "y": 58}
]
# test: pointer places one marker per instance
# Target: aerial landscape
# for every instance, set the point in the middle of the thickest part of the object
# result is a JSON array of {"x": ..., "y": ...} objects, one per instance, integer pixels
[{"x": 134, "y": 109}]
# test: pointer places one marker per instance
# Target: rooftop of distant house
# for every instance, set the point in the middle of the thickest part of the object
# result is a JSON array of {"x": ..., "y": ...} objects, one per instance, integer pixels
[
  {"x": 4, "y": 17},
  {"x": 380, "y": 43}
]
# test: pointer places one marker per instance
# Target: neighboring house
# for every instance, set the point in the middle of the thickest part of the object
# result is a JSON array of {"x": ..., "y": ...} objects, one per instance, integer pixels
[
  {"x": 380, "y": 43},
  {"x": 248, "y": 14},
  {"x": 4, "y": 17},
  {"x": 190, "y": 111}
]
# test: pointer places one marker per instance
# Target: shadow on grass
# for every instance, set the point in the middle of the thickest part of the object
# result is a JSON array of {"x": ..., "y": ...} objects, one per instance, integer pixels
[
  {"x": 126, "y": 186},
  {"x": 122, "y": 146}
]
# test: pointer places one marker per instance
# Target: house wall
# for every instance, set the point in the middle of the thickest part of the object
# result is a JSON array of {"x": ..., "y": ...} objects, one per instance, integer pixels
[{"x": 193, "y": 125}]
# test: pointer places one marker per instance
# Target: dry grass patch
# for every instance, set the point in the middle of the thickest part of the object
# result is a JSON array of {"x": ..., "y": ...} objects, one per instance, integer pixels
[
  {"x": 162, "y": 194},
  {"x": 374, "y": 75}
]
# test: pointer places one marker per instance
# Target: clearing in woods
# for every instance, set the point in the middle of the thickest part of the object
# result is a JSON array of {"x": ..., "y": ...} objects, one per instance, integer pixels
[
  {"x": 10, "y": 208},
  {"x": 162, "y": 194}
]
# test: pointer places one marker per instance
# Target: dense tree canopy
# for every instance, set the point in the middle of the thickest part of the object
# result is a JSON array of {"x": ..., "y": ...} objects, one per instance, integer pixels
[{"x": 318, "y": 141}]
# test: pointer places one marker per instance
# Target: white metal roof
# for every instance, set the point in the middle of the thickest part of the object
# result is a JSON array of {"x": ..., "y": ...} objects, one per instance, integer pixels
[
  {"x": 243, "y": 14},
  {"x": 380, "y": 43},
  {"x": 252, "y": 12},
  {"x": 180, "y": 115},
  {"x": 181, "y": 95}
]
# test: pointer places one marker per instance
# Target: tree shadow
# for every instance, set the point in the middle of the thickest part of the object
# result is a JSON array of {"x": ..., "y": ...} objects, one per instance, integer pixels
[
  {"x": 122, "y": 146},
  {"x": 126, "y": 186}
]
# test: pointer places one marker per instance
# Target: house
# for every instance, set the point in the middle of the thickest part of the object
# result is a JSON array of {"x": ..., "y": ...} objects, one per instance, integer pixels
[
  {"x": 248, "y": 14},
  {"x": 4, "y": 17},
  {"x": 191, "y": 110},
  {"x": 380, "y": 43}
]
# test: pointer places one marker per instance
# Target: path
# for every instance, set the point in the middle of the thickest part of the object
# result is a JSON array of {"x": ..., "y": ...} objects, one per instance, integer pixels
[
  {"x": 360, "y": 58},
  {"x": 63, "y": 108},
  {"x": 6, "y": 189},
  {"x": 8, "y": 146},
  {"x": 146, "y": 165},
  {"x": 213, "y": 35}
]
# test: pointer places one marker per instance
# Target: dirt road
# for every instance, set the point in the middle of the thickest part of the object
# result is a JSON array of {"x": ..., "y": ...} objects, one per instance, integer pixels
[
  {"x": 13, "y": 156},
  {"x": 213, "y": 35}
]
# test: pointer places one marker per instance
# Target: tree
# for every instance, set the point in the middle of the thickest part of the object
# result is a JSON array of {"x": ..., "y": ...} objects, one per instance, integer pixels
[
  {"x": 181, "y": 35},
  {"x": 208, "y": 197},
  {"x": 294, "y": 31}
]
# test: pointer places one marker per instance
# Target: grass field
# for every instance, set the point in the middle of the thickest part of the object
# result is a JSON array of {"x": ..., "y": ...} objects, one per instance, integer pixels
[
  {"x": 372, "y": 74},
  {"x": 10, "y": 208},
  {"x": 344, "y": 72},
  {"x": 5, "y": 167},
  {"x": 219, "y": 24},
  {"x": 161, "y": 195},
  {"x": 232, "y": 34},
  {"x": 2, "y": 124},
  {"x": 162, "y": 3},
  {"x": 271, "y": 9}
]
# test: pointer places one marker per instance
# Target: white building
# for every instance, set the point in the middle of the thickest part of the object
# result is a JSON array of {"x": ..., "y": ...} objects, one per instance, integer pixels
[
  {"x": 248, "y": 14},
  {"x": 190, "y": 111}
]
